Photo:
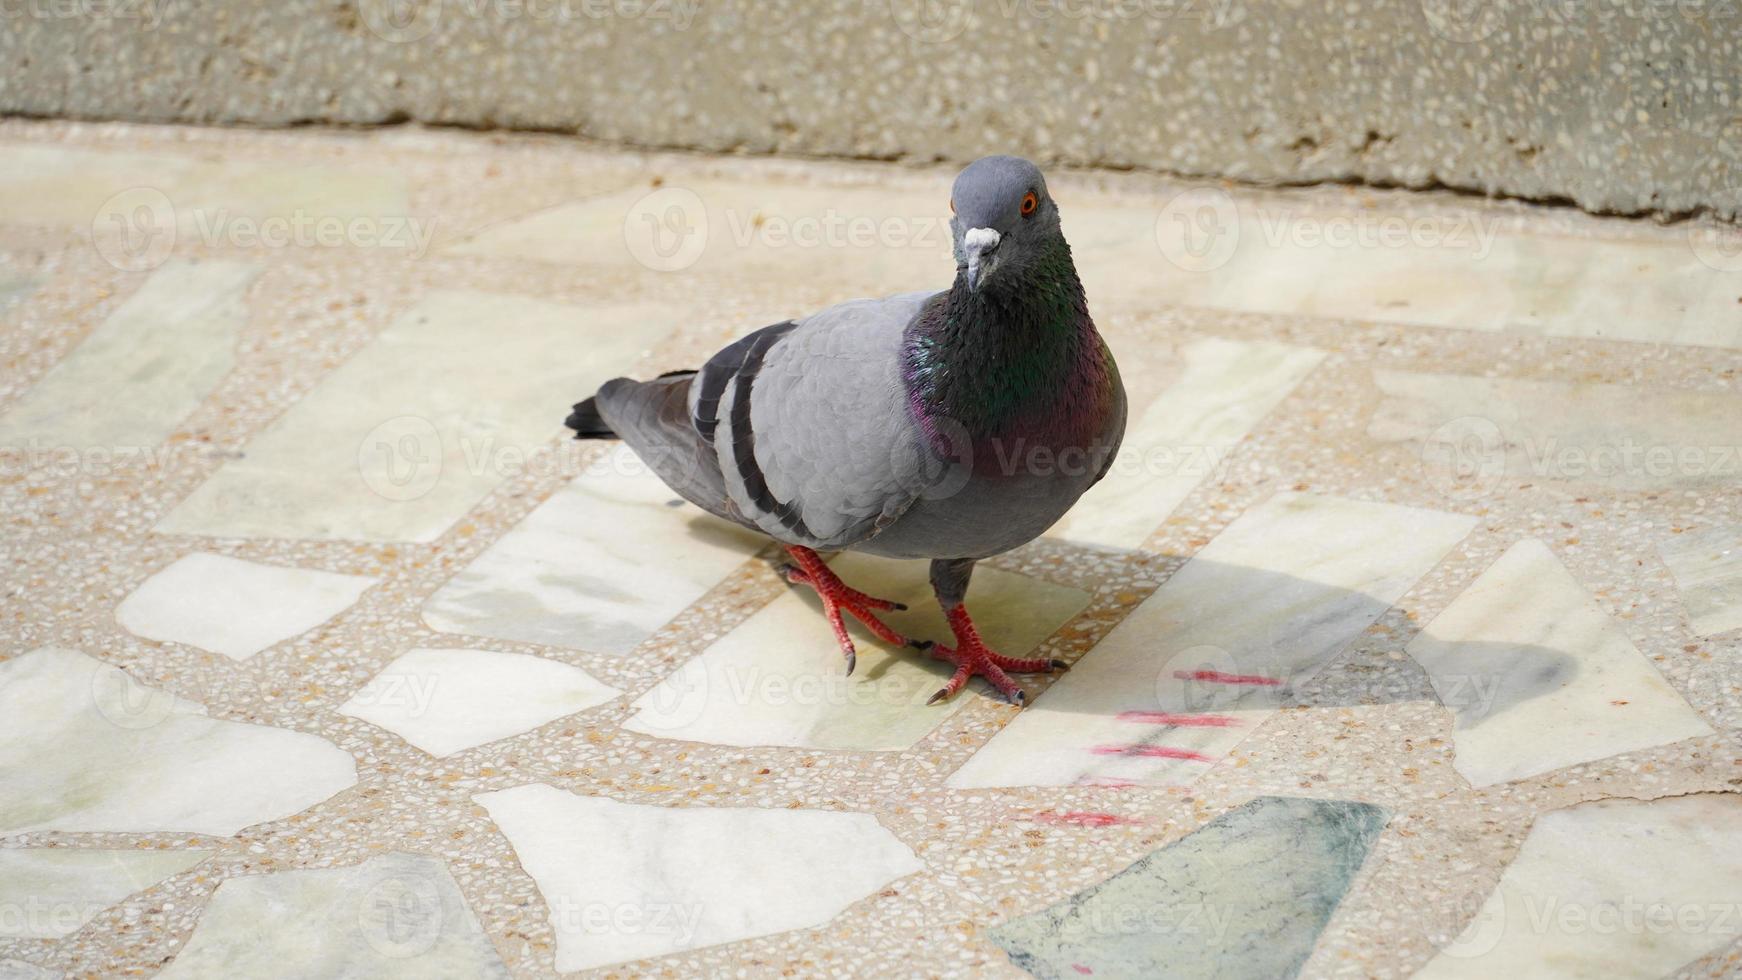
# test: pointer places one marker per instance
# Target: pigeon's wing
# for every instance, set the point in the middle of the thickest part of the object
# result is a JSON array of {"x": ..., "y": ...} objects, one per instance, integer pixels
[
  {"x": 810, "y": 423},
  {"x": 653, "y": 417}
]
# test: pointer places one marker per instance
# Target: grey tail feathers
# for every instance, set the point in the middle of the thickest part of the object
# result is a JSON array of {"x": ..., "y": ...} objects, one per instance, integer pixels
[{"x": 586, "y": 420}]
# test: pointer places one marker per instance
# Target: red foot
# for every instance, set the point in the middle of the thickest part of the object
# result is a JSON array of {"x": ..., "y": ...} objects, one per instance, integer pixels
[
  {"x": 972, "y": 658},
  {"x": 838, "y": 598}
]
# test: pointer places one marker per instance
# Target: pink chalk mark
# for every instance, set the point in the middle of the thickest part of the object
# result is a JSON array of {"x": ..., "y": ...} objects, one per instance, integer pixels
[
  {"x": 1084, "y": 818},
  {"x": 1217, "y": 677},
  {"x": 1184, "y": 721},
  {"x": 1080, "y": 968},
  {"x": 1152, "y": 752}
]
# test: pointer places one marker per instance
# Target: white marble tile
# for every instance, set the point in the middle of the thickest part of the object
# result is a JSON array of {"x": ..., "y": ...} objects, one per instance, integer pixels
[
  {"x": 1475, "y": 436},
  {"x": 142, "y": 370},
  {"x": 71, "y": 186},
  {"x": 601, "y": 565},
  {"x": 626, "y": 881},
  {"x": 459, "y": 393},
  {"x": 47, "y": 893},
  {"x": 394, "y": 917},
  {"x": 14, "y": 287},
  {"x": 1707, "y": 565},
  {"x": 11, "y": 969},
  {"x": 1540, "y": 677},
  {"x": 1207, "y": 658},
  {"x": 1183, "y": 433},
  {"x": 83, "y": 747},
  {"x": 778, "y": 677},
  {"x": 234, "y": 607},
  {"x": 1460, "y": 269},
  {"x": 446, "y": 701},
  {"x": 1612, "y": 888},
  {"x": 869, "y": 238}
]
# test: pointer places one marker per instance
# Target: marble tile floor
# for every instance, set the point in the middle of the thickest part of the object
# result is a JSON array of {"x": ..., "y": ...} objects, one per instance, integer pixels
[{"x": 1406, "y": 632}]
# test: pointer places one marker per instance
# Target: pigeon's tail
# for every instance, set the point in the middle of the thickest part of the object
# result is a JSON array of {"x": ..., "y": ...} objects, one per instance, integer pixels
[{"x": 586, "y": 420}]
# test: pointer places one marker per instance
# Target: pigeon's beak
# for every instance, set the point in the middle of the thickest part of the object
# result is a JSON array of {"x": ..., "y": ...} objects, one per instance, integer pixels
[{"x": 978, "y": 244}]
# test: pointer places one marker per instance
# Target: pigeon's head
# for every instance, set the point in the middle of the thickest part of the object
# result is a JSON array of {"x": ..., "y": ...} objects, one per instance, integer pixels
[{"x": 1002, "y": 214}]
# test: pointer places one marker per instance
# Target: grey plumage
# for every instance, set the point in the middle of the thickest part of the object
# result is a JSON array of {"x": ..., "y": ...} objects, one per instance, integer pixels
[{"x": 863, "y": 426}]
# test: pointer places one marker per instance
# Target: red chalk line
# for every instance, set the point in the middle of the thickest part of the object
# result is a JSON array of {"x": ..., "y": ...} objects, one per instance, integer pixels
[{"x": 1217, "y": 677}]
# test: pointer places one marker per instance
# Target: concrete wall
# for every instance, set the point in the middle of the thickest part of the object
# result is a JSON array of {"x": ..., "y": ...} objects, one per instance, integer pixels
[{"x": 1629, "y": 106}]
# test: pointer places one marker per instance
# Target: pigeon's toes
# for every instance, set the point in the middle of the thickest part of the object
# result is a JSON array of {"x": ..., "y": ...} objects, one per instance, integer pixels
[{"x": 838, "y": 598}]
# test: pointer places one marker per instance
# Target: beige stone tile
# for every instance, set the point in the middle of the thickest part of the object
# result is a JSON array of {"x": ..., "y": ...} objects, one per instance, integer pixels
[
  {"x": 1207, "y": 658},
  {"x": 395, "y": 916},
  {"x": 83, "y": 747},
  {"x": 69, "y": 185},
  {"x": 1182, "y": 432},
  {"x": 874, "y": 239},
  {"x": 777, "y": 678},
  {"x": 1540, "y": 677},
  {"x": 447, "y": 701},
  {"x": 143, "y": 369},
  {"x": 608, "y": 559},
  {"x": 625, "y": 882},
  {"x": 52, "y": 892},
  {"x": 1475, "y": 434},
  {"x": 1610, "y": 888},
  {"x": 234, "y": 607},
  {"x": 1707, "y": 565},
  {"x": 393, "y": 444}
]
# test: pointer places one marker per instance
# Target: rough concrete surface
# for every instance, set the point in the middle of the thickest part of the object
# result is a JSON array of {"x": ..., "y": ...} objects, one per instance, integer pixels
[{"x": 1626, "y": 106}]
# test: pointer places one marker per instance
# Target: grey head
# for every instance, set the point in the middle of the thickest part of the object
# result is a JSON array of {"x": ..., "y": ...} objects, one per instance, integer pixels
[{"x": 1002, "y": 215}]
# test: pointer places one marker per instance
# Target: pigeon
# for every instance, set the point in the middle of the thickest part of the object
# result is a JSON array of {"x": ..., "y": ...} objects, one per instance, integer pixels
[{"x": 948, "y": 426}]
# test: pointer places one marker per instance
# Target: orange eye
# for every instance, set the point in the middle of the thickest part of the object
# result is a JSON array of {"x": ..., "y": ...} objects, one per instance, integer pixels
[{"x": 1029, "y": 203}]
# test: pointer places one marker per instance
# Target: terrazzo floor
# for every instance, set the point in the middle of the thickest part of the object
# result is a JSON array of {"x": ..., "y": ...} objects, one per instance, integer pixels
[{"x": 1406, "y": 633}]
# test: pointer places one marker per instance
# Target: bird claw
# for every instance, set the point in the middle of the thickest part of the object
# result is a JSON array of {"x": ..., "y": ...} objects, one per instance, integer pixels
[
  {"x": 979, "y": 661},
  {"x": 837, "y": 597}
]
